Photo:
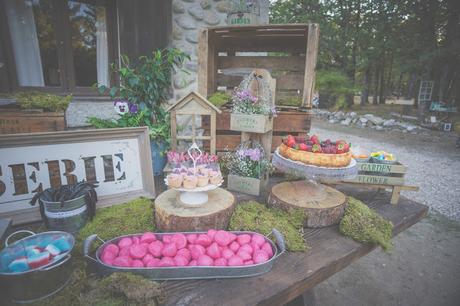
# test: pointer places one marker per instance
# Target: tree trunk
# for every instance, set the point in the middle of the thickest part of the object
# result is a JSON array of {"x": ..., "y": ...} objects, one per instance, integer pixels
[
  {"x": 400, "y": 84},
  {"x": 366, "y": 84},
  {"x": 376, "y": 85},
  {"x": 411, "y": 86}
]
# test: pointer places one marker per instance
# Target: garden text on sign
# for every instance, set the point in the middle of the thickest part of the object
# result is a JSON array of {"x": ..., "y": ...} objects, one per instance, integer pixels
[{"x": 117, "y": 160}]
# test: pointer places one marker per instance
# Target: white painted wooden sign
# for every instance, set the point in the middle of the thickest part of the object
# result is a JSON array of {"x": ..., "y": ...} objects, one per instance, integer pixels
[{"x": 117, "y": 160}]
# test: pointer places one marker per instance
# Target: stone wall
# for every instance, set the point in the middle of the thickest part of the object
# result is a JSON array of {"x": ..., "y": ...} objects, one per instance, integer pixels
[{"x": 188, "y": 17}]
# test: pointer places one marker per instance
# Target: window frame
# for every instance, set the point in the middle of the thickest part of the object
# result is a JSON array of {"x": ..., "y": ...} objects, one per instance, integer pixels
[{"x": 62, "y": 25}]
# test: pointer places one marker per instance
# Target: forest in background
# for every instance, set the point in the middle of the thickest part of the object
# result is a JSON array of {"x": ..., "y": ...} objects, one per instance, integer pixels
[{"x": 381, "y": 48}]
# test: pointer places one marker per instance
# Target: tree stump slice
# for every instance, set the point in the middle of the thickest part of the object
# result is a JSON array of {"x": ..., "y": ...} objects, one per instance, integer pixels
[
  {"x": 172, "y": 215},
  {"x": 322, "y": 209}
]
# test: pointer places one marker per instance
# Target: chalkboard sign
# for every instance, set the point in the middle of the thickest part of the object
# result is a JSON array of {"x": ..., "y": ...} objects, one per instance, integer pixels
[{"x": 117, "y": 160}]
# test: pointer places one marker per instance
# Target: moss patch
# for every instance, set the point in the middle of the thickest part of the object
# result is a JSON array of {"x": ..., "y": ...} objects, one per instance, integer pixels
[
  {"x": 115, "y": 289},
  {"x": 253, "y": 216},
  {"x": 363, "y": 224},
  {"x": 48, "y": 102},
  {"x": 135, "y": 216},
  {"x": 219, "y": 98}
]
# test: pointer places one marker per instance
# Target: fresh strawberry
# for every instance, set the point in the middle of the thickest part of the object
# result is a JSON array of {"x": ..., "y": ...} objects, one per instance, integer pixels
[
  {"x": 342, "y": 147},
  {"x": 316, "y": 148},
  {"x": 290, "y": 141},
  {"x": 314, "y": 139},
  {"x": 303, "y": 147}
]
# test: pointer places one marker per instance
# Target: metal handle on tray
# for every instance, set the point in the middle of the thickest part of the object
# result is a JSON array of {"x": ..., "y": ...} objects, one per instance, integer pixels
[
  {"x": 17, "y": 232},
  {"x": 66, "y": 259},
  {"x": 87, "y": 244},
  {"x": 280, "y": 242}
]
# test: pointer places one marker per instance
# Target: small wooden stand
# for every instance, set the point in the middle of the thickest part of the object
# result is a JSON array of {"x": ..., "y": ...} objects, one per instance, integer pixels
[
  {"x": 322, "y": 207},
  {"x": 172, "y": 215}
]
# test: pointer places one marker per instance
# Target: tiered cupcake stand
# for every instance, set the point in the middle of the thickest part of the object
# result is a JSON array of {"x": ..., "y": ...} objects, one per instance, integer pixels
[
  {"x": 201, "y": 208},
  {"x": 322, "y": 204}
]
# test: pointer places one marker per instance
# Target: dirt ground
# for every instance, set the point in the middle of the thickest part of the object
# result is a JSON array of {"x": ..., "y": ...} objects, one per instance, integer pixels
[{"x": 424, "y": 266}]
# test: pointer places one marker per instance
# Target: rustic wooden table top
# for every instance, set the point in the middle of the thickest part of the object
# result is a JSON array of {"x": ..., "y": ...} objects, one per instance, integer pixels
[{"x": 295, "y": 273}]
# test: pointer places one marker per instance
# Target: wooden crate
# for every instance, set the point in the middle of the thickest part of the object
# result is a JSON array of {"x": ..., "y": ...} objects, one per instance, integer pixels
[
  {"x": 247, "y": 185},
  {"x": 381, "y": 176},
  {"x": 289, "y": 53},
  {"x": 287, "y": 122},
  {"x": 17, "y": 121}
]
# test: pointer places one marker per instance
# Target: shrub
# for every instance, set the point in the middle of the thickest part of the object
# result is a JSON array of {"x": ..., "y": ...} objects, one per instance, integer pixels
[
  {"x": 333, "y": 87},
  {"x": 219, "y": 98}
]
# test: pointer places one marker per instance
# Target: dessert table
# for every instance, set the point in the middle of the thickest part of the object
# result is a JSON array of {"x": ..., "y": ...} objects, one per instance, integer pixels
[{"x": 294, "y": 275}]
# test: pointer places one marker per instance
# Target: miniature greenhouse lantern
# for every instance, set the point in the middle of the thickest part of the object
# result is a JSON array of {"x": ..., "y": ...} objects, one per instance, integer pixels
[{"x": 193, "y": 111}]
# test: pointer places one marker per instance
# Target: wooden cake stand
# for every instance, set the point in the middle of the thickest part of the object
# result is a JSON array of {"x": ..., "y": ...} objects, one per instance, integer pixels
[
  {"x": 173, "y": 215},
  {"x": 323, "y": 205}
]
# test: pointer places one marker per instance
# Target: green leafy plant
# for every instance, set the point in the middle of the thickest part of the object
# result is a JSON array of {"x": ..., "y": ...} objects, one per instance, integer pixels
[
  {"x": 41, "y": 100},
  {"x": 363, "y": 224},
  {"x": 143, "y": 88}
]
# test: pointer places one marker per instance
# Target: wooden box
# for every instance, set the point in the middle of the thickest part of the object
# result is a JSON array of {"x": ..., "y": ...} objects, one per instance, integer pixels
[
  {"x": 227, "y": 54},
  {"x": 251, "y": 123},
  {"x": 247, "y": 185},
  {"x": 380, "y": 174},
  {"x": 17, "y": 121}
]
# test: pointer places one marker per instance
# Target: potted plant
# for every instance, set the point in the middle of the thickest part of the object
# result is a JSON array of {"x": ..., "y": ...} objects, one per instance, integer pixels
[
  {"x": 252, "y": 112},
  {"x": 34, "y": 112},
  {"x": 247, "y": 168},
  {"x": 68, "y": 207},
  {"x": 140, "y": 96}
]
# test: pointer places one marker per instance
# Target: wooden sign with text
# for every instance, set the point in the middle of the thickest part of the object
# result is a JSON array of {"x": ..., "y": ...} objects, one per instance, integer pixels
[{"x": 117, "y": 160}]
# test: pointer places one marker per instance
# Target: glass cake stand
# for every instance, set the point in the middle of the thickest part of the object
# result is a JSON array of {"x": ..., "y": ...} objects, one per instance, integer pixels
[{"x": 313, "y": 174}]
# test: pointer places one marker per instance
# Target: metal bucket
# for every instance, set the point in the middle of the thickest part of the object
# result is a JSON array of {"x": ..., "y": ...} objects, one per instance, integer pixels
[
  {"x": 39, "y": 283},
  {"x": 177, "y": 273},
  {"x": 70, "y": 217}
]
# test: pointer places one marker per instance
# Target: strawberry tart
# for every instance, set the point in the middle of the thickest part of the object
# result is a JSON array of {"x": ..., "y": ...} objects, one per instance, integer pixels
[{"x": 312, "y": 151}]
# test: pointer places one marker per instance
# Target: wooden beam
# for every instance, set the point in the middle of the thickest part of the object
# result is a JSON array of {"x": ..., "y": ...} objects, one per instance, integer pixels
[
  {"x": 310, "y": 64},
  {"x": 287, "y": 63}
]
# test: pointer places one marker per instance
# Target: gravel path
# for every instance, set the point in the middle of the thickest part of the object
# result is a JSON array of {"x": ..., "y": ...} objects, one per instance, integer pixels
[{"x": 433, "y": 161}]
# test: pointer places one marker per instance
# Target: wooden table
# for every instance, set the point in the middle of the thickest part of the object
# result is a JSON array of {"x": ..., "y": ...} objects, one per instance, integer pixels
[{"x": 296, "y": 274}]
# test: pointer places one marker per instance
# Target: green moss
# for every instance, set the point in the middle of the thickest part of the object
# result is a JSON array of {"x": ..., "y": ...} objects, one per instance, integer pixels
[
  {"x": 135, "y": 216},
  {"x": 363, "y": 224},
  {"x": 41, "y": 100},
  {"x": 219, "y": 98},
  {"x": 253, "y": 216}
]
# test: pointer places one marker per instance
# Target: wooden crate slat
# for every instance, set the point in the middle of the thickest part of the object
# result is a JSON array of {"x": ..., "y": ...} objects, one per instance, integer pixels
[
  {"x": 289, "y": 63},
  {"x": 13, "y": 122},
  {"x": 377, "y": 180},
  {"x": 288, "y": 81},
  {"x": 266, "y": 44},
  {"x": 381, "y": 168}
]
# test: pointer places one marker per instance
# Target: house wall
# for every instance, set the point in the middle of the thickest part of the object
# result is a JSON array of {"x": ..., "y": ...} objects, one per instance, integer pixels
[{"x": 188, "y": 17}]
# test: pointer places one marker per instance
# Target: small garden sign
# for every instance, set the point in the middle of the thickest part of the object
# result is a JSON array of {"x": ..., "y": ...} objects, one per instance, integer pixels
[{"x": 117, "y": 160}]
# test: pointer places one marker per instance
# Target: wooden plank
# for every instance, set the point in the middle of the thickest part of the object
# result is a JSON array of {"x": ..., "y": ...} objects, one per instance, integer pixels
[
  {"x": 252, "y": 28},
  {"x": 286, "y": 81},
  {"x": 310, "y": 64},
  {"x": 13, "y": 122},
  {"x": 289, "y": 63},
  {"x": 257, "y": 44},
  {"x": 203, "y": 65},
  {"x": 377, "y": 180},
  {"x": 395, "y": 195},
  {"x": 285, "y": 121},
  {"x": 4, "y": 226},
  {"x": 295, "y": 273},
  {"x": 213, "y": 133},
  {"x": 382, "y": 168}
]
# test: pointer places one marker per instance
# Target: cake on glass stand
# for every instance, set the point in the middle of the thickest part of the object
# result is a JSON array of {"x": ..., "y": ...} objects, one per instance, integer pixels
[{"x": 311, "y": 160}]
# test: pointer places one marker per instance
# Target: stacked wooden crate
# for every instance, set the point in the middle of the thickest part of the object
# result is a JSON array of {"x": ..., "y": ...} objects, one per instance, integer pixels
[{"x": 288, "y": 52}]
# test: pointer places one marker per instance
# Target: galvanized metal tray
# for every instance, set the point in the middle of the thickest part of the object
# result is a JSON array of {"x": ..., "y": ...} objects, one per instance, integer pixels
[{"x": 177, "y": 273}]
